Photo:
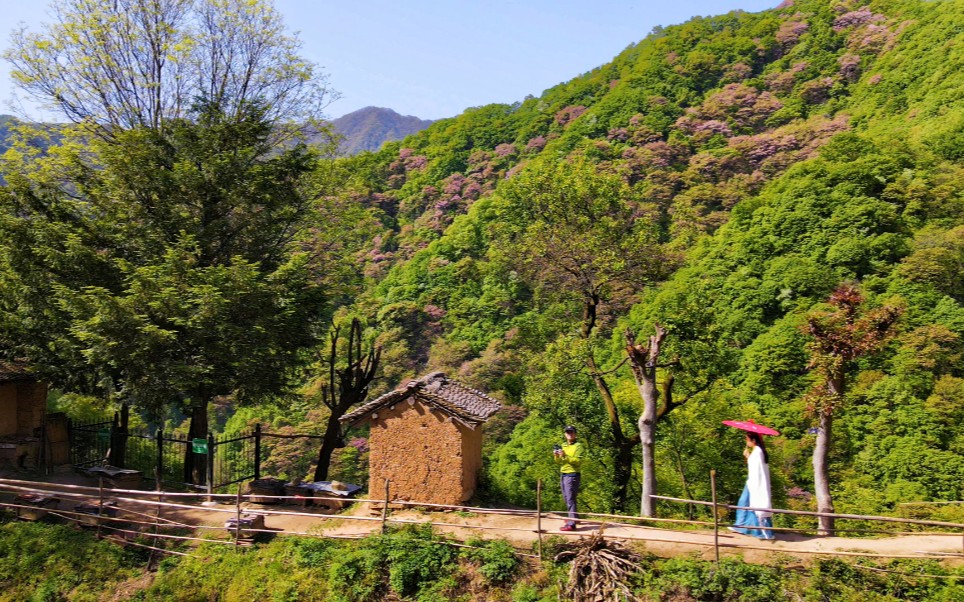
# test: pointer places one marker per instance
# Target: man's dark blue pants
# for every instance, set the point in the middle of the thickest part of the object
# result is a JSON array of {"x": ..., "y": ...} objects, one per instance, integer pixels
[{"x": 570, "y": 489}]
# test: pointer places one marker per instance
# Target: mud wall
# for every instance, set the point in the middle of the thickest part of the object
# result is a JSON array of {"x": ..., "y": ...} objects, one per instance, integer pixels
[
  {"x": 471, "y": 460},
  {"x": 31, "y": 404},
  {"x": 423, "y": 453},
  {"x": 22, "y": 405},
  {"x": 8, "y": 409}
]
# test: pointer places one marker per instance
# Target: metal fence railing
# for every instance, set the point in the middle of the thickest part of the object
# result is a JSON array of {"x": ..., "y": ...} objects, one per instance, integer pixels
[
  {"x": 235, "y": 459},
  {"x": 159, "y": 455},
  {"x": 90, "y": 442}
]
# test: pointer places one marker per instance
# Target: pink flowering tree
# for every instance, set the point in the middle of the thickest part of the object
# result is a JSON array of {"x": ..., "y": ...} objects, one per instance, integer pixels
[
  {"x": 791, "y": 30},
  {"x": 849, "y": 66},
  {"x": 569, "y": 114},
  {"x": 535, "y": 144}
]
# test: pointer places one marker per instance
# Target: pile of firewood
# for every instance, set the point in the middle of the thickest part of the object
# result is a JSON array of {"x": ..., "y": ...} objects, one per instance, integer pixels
[{"x": 600, "y": 570}]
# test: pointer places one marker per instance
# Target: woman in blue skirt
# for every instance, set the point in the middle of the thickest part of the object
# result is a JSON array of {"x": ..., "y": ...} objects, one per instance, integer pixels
[{"x": 756, "y": 492}]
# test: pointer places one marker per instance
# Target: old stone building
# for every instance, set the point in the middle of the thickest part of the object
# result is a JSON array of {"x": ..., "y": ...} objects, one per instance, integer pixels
[
  {"x": 426, "y": 438},
  {"x": 23, "y": 401}
]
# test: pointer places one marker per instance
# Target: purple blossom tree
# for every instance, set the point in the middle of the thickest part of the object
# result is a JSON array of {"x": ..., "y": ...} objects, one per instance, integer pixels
[
  {"x": 453, "y": 184},
  {"x": 472, "y": 191},
  {"x": 737, "y": 72},
  {"x": 434, "y": 312},
  {"x": 416, "y": 162},
  {"x": 536, "y": 144},
  {"x": 849, "y": 66},
  {"x": 816, "y": 91},
  {"x": 856, "y": 18},
  {"x": 505, "y": 150},
  {"x": 791, "y": 30},
  {"x": 569, "y": 114}
]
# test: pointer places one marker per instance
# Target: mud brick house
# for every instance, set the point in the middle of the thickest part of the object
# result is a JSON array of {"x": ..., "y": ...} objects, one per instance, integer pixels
[
  {"x": 426, "y": 438},
  {"x": 23, "y": 401}
]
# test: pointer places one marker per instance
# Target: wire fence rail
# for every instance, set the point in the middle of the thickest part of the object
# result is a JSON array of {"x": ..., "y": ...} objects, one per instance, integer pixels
[{"x": 146, "y": 519}]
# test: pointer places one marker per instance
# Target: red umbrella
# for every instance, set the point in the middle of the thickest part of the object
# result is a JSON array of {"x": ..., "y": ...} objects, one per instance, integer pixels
[{"x": 749, "y": 425}]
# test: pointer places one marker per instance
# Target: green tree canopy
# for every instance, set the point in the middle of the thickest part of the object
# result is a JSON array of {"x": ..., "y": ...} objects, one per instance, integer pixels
[{"x": 163, "y": 265}]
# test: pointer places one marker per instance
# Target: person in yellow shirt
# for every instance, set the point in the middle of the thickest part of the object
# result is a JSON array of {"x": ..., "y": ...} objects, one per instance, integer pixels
[{"x": 569, "y": 457}]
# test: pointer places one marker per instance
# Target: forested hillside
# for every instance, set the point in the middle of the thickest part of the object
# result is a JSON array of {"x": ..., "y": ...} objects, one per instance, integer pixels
[
  {"x": 776, "y": 198},
  {"x": 720, "y": 178}
]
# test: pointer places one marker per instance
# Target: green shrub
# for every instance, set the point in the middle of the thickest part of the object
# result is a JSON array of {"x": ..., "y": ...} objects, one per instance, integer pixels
[
  {"x": 409, "y": 560},
  {"x": 698, "y": 580},
  {"x": 497, "y": 559},
  {"x": 416, "y": 558},
  {"x": 52, "y": 562},
  {"x": 356, "y": 575}
]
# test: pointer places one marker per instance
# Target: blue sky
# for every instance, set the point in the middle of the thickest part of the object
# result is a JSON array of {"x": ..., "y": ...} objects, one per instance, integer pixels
[{"x": 435, "y": 58}]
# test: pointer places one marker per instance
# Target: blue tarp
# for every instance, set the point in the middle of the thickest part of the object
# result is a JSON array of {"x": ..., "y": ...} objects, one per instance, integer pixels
[{"x": 325, "y": 486}]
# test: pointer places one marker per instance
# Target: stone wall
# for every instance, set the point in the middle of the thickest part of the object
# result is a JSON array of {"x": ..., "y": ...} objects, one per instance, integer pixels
[{"x": 423, "y": 453}]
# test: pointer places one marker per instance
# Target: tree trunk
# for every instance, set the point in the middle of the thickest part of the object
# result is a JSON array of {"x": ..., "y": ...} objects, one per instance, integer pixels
[
  {"x": 329, "y": 444},
  {"x": 345, "y": 388},
  {"x": 195, "y": 465},
  {"x": 821, "y": 454},
  {"x": 821, "y": 480},
  {"x": 118, "y": 444},
  {"x": 623, "y": 469},
  {"x": 643, "y": 363},
  {"x": 647, "y": 436},
  {"x": 624, "y": 445}
]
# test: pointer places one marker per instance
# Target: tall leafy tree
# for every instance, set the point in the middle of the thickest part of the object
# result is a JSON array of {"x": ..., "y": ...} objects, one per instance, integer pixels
[
  {"x": 581, "y": 235},
  {"x": 840, "y": 335},
  {"x": 163, "y": 264}
]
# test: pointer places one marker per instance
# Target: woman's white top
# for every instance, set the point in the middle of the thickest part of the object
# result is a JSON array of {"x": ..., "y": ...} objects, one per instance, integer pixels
[{"x": 758, "y": 482}]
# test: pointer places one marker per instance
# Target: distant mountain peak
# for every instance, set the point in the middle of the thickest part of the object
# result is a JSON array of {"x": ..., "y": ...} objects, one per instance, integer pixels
[{"x": 368, "y": 128}]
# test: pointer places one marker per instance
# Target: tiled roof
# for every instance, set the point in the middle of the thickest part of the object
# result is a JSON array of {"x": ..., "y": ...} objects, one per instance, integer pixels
[
  {"x": 14, "y": 371},
  {"x": 455, "y": 399}
]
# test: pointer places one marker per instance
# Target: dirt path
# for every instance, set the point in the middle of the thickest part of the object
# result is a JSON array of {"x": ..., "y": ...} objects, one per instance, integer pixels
[
  {"x": 363, "y": 519},
  {"x": 521, "y": 531}
]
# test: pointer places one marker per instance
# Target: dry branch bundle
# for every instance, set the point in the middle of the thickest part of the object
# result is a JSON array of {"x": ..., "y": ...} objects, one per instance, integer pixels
[{"x": 600, "y": 570}]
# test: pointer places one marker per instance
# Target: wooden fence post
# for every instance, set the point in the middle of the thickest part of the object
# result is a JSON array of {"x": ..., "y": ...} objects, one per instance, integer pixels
[
  {"x": 237, "y": 527},
  {"x": 539, "y": 515},
  {"x": 210, "y": 470},
  {"x": 100, "y": 504},
  {"x": 257, "y": 451},
  {"x": 70, "y": 442},
  {"x": 45, "y": 448},
  {"x": 385, "y": 509},
  {"x": 113, "y": 439},
  {"x": 716, "y": 518},
  {"x": 119, "y": 445},
  {"x": 159, "y": 463},
  {"x": 157, "y": 513}
]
